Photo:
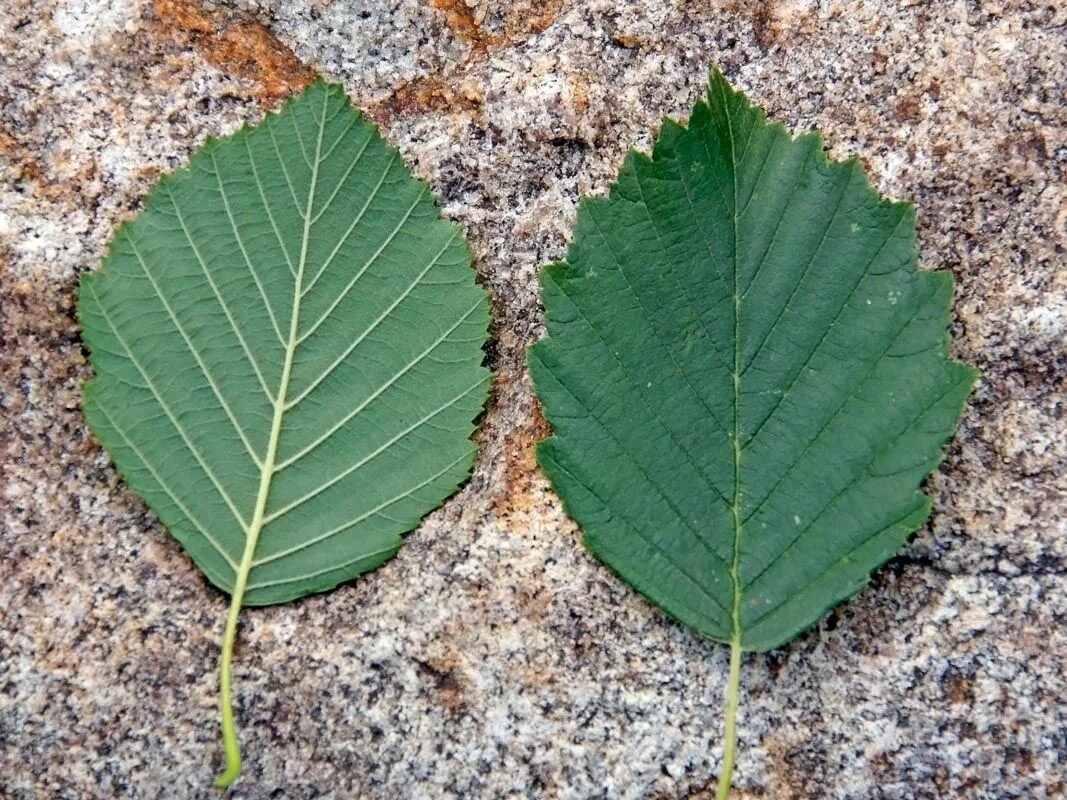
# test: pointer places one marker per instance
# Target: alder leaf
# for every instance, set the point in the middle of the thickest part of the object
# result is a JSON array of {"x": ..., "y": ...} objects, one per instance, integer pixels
[
  {"x": 287, "y": 349},
  {"x": 747, "y": 378}
]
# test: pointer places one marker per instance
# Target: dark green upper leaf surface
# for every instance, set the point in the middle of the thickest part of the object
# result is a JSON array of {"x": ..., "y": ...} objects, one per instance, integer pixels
[
  {"x": 746, "y": 375},
  {"x": 300, "y": 241}
]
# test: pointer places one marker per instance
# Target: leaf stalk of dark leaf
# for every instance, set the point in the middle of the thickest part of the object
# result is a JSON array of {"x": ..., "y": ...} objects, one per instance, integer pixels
[{"x": 730, "y": 736}]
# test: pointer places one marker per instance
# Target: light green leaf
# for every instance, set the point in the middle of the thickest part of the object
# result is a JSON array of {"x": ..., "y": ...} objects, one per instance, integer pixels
[
  {"x": 747, "y": 377},
  {"x": 287, "y": 348}
]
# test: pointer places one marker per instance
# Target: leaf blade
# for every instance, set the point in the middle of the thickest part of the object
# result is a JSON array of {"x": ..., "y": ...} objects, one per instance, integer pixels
[
  {"x": 285, "y": 453},
  {"x": 730, "y": 334},
  {"x": 238, "y": 182}
]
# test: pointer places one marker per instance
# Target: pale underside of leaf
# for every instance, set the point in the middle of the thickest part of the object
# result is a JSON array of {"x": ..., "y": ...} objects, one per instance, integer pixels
[
  {"x": 746, "y": 375},
  {"x": 287, "y": 348}
]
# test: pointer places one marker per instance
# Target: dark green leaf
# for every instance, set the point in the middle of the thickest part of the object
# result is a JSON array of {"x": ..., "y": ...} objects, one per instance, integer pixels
[{"x": 747, "y": 377}]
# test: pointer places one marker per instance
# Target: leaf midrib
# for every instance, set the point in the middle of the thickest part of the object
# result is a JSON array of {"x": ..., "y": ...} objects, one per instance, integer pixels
[
  {"x": 734, "y": 678},
  {"x": 267, "y": 470},
  {"x": 229, "y": 734},
  {"x": 735, "y": 507}
]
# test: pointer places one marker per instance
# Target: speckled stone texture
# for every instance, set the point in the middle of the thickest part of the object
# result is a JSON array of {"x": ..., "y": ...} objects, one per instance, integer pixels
[{"x": 494, "y": 657}]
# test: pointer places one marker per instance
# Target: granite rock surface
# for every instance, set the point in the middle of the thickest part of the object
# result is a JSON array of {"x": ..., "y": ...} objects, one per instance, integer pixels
[{"x": 494, "y": 657}]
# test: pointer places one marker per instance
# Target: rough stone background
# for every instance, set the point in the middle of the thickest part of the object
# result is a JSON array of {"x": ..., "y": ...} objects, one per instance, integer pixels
[{"x": 494, "y": 658}]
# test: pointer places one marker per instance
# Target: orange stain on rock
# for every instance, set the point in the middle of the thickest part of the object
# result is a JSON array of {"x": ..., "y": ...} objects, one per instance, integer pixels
[
  {"x": 517, "y": 498},
  {"x": 461, "y": 20},
  {"x": 237, "y": 45},
  {"x": 427, "y": 94}
]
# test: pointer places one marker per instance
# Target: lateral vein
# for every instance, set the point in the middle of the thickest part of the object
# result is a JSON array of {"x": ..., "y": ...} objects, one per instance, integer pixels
[
  {"x": 199, "y": 361},
  {"x": 376, "y": 394},
  {"x": 356, "y": 342},
  {"x": 218, "y": 296},
  {"x": 166, "y": 489},
  {"x": 167, "y": 410},
  {"x": 244, "y": 251}
]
